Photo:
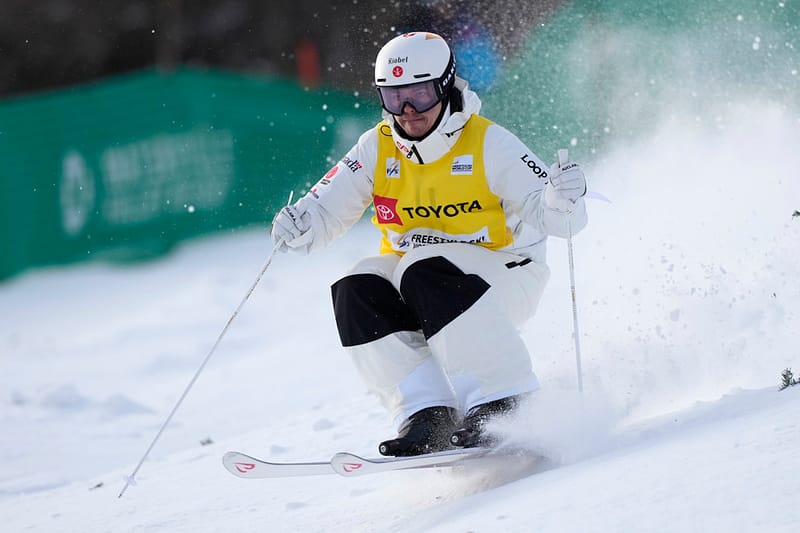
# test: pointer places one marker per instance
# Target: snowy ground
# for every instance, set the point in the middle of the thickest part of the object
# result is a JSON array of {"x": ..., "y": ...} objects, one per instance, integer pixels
[{"x": 688, "y": 293}]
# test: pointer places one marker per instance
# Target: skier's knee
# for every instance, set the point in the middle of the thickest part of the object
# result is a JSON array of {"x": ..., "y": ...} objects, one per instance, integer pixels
[
  {"x": 367, "y": 307},
  {"x": 438, "y": 292}
]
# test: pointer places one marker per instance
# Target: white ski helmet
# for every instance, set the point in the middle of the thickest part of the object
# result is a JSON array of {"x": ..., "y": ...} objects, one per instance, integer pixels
[{"x": 420, "y": 61}]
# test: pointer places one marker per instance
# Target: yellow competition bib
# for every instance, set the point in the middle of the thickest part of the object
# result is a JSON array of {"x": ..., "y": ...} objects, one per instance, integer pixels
[{"x": 445, "y": 201}]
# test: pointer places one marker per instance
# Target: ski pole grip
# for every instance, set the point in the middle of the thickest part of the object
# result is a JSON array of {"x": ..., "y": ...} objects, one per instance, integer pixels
[{"x": 563, "y": 156}]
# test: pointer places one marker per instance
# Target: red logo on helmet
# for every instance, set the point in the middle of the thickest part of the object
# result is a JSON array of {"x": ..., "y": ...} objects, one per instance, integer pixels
[{"x": 397, "y": 71}]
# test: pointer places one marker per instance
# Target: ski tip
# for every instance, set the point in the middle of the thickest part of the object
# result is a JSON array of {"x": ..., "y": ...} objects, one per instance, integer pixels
[
  {"x": 231, "y": 455},
  {"x": 238, "y": 464},
  {"x": 247, "y": 467}
]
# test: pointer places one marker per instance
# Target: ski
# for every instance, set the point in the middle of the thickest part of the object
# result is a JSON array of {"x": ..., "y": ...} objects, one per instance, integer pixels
[
  {"x": 350, "y": 465},
  {"x": 247, "y": 467},
  {"x": 345, "y": 464}
]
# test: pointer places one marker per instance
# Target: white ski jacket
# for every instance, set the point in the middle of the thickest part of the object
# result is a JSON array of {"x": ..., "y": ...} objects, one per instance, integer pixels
[{"x": 514, "y": 173}]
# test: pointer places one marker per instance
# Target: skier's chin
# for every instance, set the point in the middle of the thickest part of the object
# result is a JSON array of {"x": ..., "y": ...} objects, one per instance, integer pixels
[{"x": 416, "y": 127}]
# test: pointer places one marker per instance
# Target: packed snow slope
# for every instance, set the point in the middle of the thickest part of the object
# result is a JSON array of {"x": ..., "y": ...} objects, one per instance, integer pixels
[{"x": 687, "y": 290}]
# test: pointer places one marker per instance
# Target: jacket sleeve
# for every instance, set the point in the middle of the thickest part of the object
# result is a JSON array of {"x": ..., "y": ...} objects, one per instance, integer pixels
[
  {"x": 518, "y": 177},
  {"x": 339, "y": 198}
]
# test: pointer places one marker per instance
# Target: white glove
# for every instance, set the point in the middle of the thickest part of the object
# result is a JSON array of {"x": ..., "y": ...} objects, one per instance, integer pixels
[
  {"x": 291, "y": 229},
  {"x": 567, "y": 184}
]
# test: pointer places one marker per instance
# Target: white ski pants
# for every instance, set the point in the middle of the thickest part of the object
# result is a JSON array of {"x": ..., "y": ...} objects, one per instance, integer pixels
[{"x": 439, "y": 326}]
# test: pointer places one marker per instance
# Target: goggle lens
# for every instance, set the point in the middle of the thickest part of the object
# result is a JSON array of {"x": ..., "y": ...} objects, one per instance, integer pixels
[{"x": 421, "y": 96}]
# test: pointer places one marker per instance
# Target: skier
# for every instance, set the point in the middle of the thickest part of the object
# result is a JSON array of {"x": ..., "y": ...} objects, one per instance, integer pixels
[{"x": 464, "y": 209}]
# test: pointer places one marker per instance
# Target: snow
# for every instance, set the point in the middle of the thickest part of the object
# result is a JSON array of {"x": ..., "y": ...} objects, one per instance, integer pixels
[{"x": 687, "y": 290}]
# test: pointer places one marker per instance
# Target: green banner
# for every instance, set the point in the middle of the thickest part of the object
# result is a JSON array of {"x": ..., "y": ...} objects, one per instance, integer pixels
[{"x": 127, "y": 167}]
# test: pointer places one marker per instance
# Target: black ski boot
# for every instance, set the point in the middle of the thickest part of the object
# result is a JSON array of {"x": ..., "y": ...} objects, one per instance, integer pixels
[
  {"x": 472, "y": 432},
  {"x": 425, "y": 431}
]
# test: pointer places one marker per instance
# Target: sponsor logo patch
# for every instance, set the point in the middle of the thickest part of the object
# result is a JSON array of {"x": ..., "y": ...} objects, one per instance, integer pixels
[
  {"x": 386, "y": 210},
  {"x": 352, "y": 164},
  {"x": 462, "y": 165},
  {"x": 419, "y": 237},
  {"x": 537, "y": 170},
  {"x": 442, "y": 210},
  {"x": 331, "y": 173},
  {"x": 403, "y": 148},
  {"x": 325, "y": 181},
  {"x": 392, "y": 167}
]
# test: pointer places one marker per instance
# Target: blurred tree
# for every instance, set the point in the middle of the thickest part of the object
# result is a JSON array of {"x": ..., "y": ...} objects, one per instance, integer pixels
[{"x": 52, "y": 43}]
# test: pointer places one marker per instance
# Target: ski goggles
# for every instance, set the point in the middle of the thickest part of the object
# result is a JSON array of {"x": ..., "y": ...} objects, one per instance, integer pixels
[{"x": 421, "y": 96}]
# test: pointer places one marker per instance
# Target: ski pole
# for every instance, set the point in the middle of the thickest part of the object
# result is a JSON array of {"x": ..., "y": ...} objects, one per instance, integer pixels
[
  {"x": 563, "y": 158},
  {"x": 131, "y": 480}
]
